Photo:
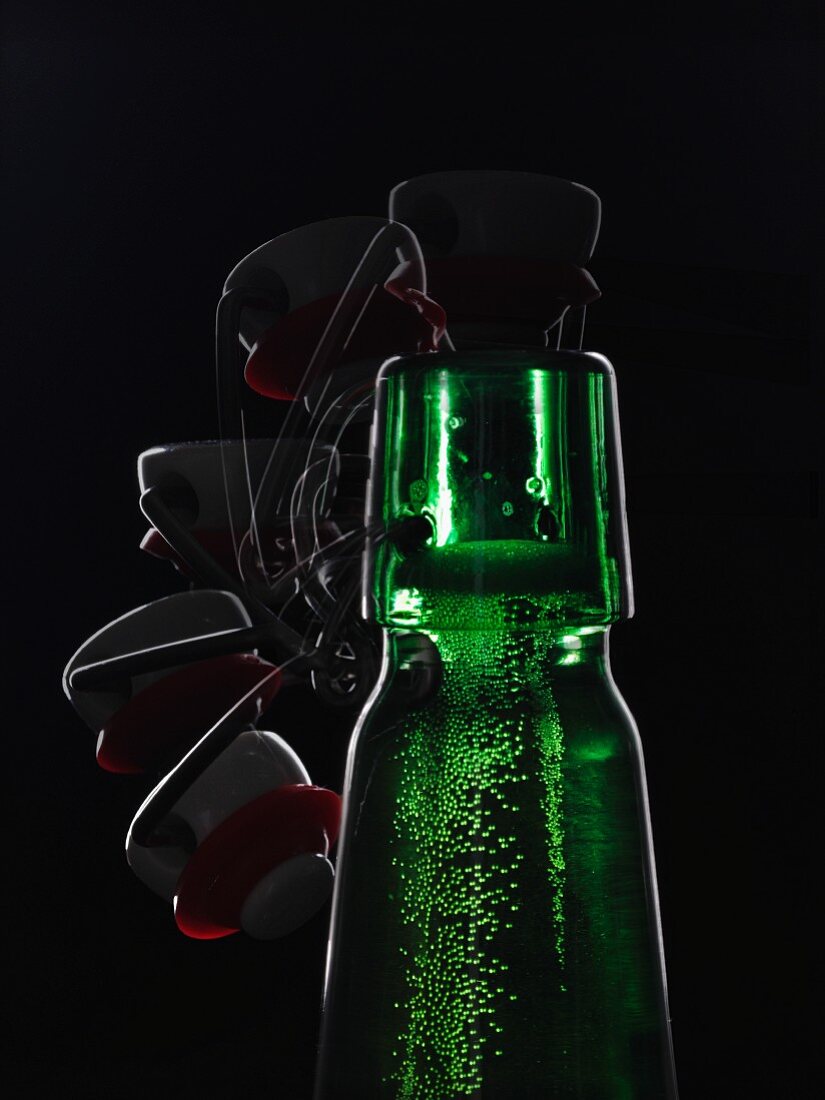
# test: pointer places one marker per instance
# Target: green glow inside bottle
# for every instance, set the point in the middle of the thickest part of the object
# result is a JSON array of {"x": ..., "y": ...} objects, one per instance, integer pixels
[{"x": 495, "y": 924}]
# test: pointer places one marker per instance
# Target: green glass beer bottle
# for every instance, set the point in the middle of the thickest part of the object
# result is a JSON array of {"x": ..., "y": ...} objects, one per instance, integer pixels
[{"x": 495, "y": 928}]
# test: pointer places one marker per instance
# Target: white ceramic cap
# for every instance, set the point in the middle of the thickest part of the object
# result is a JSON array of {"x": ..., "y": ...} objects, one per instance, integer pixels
[
  {"x": 173, "y": 618},
  {"x": 191, "y": 476},
  {"x": 288, "y": 896},
  {"x": 314, "y": 262},
  {"x": 499, "y": 214},
  {"x": 311, "y": 262},
  {"x": 255, "y": 763}
]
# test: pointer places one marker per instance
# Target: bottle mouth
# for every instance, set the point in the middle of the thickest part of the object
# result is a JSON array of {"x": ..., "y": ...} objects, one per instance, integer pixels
[{"x": 504, "y": 359}]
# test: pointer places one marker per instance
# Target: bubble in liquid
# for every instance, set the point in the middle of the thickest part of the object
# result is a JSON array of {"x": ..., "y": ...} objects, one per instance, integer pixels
[{"x": 418, "y": 490}]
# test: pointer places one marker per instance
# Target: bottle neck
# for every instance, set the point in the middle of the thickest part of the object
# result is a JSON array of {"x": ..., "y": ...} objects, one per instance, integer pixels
[{"x": 513, "y": 655}]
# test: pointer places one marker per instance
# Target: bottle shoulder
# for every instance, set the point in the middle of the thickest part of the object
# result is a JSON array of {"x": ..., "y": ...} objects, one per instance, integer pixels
[{"x": 580, "y": 704}]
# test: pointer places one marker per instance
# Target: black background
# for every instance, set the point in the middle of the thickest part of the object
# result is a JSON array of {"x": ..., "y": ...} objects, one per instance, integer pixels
[{"x": 144, "y": 159}]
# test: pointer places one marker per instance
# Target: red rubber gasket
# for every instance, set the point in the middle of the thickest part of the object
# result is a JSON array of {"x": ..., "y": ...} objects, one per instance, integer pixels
[
  {"x": 238, "y": 853},
  {"x": 486, "y": 287},
  {"x": 169, "y": 715},
  {"x": 391, "y": 322}
]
